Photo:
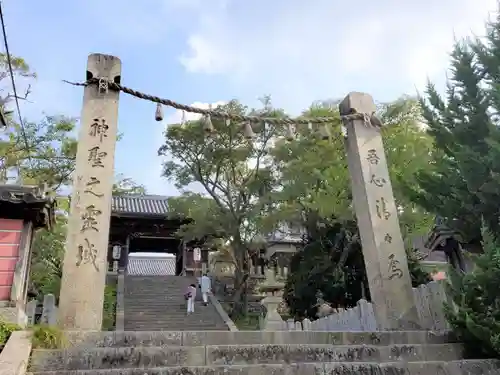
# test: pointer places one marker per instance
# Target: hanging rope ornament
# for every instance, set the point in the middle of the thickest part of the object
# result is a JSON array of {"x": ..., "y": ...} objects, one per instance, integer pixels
[
  {"x": 248, "y": 131},
  {"x": 310, "y": 127},
  {"x": 159, "y": 112},
  {"x": 208, "y": 127},
  {"x": 183, "y": 118},
  {"x": 324, "y": 132},
  {"x": 290, "y": 132}
]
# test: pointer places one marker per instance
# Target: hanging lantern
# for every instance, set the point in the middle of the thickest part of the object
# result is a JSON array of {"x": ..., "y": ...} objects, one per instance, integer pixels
[
  {"x": 208, "y": 127},
  {"x": 343, "y": 130},
  {"x": 310, "y": 127},
  {"x": 248, "y": 131},
  {"x": 183, "y": 118},
  {"x": 259, "y": 127},
  {"x": 324, "y": 132},
  {"x": 290, "y": 132},
  {"x": 159, "y": 112}
]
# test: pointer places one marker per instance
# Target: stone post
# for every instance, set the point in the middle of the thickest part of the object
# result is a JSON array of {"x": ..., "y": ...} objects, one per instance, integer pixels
[
  {"x": 383, "y": 248},
  {"x": 85, "y": 258},
  {"x": 272, "y": 321}
]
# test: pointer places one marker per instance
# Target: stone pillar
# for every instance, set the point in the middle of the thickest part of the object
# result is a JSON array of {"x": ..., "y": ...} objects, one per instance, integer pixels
[
  {"x": 85, "y": 258},
  {"x": 383, "y": 248}
]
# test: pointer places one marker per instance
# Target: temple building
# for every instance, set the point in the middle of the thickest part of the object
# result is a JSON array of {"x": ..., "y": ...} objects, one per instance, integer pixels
[
  {"x": 281, "y": 245},
  {"x": 142, "y": 239}
]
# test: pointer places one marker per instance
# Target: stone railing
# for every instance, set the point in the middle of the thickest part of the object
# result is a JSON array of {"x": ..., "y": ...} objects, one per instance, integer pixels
[{"x": 429, "y": 300}]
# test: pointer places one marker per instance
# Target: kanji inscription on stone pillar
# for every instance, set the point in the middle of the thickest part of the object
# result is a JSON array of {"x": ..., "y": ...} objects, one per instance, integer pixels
[
  {"x": 85, "y": 258},
  {"x": 383, "y": 248}
]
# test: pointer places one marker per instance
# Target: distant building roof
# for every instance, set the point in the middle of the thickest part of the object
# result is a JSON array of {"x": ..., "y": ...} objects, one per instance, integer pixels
[{"x": 139, "y": 205}]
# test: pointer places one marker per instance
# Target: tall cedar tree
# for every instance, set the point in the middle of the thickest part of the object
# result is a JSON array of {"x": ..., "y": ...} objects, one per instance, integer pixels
[{"x": 462, "y": 182}]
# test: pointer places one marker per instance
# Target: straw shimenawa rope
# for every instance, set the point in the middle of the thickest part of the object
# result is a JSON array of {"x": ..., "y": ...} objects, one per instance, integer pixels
[{"x": 224, "y": 115}]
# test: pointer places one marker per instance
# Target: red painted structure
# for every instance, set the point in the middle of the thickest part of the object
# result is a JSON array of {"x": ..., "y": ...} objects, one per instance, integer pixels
[
  {"x": 10, "y": 238},
  {"x": 23, "y": 210}
]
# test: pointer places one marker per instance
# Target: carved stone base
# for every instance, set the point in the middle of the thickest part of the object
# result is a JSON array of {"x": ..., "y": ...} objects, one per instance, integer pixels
[{"x": 272, "y": 320}]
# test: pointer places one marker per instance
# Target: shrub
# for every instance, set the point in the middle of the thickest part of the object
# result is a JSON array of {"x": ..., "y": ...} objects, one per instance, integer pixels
[
  {"x": 475, "y": 314},
  {"x": 47, "y": 337},
  {"x": 109, "y": 308},
  {"x": 6, "y": 330}
]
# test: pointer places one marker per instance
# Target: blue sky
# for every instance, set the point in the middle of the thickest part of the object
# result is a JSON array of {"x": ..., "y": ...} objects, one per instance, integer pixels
[{"x": 195, "y": 51}]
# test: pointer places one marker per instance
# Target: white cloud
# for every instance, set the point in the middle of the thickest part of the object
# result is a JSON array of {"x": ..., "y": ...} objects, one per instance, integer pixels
[{"x": 312, "y": 50}]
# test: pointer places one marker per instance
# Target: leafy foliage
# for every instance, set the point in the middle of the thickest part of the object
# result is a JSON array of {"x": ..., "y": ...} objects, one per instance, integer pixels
[
  {"x": 127, "y": 186},
  {"x": 315, "y": 181},
  {"x": 475, "y": 315},
  {"x": 47, "y": 337},
  {"x": 464, "y": 127},
  {"x": 234, "y": 174},
  {"x": 6, "y": 330},
  {"x": 109, "y": 308},
  {"x": 47, "y": 258},
  {"x": 45, "y": 150},
  {"x": 332, "y": 263}
]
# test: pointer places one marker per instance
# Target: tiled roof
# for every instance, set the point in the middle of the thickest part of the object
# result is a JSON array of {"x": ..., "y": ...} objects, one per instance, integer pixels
[{"x": 139, "y": 204}]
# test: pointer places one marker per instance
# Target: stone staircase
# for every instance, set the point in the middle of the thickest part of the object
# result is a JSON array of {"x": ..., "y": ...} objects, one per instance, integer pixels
[
  {"x": 156, "y": 303},
  {"x": 258, "y": 352}
]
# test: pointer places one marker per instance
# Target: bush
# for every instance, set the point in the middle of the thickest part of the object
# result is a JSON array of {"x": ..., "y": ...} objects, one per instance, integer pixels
[
  {"x": 6, "y": 330},
  {"x": 475, "y": 315},
  {"x": 47, "y": 337},
  {"x": 109, "y": 308},
  {"x": 332, "y": 263}
]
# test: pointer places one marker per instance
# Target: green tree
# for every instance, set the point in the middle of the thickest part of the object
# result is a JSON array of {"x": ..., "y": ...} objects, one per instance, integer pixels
[
  {"x": 38, "y": 152},
  {"x": 126, "y": 185},
  {"x": 317, "y": 194},
  {"x": 475, "y": 315},
  {"x": 462, "y": 182},
  {"x": 47, "y": 255},
  {"x": 233, "y": 172},
  {"x": 332, "y": 263},
  {"x": 314, "y": 177},
  {"x": 190, "y": 205}
]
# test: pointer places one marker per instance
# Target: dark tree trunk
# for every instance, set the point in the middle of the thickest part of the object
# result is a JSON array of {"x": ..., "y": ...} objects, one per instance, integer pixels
[{"x": 240, "y": 297}]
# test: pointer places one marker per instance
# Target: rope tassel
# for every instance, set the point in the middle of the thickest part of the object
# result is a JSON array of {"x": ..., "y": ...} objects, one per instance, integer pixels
[
  {"x": 290, "y": 132},
  {"x": 208, "y": 127},
  {"x": 324, "y": 132},
  {"x": 248, "y": 131},
  {"x": 159, "y": 112}
]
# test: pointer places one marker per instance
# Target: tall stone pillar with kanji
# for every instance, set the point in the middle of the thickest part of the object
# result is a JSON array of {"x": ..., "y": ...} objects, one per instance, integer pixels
[
  {"x": 85, "y": 266},
  {"x": 377, "y": 216}
]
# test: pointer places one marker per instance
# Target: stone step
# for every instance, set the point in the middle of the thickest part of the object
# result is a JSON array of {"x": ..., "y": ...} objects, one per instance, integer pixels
[
  {"x": 147, "y": 328},
  {"x": 158, "y": 303},
  {"x": 197, "y": 326},
  {"x": 148, "y": 357},
  {"x": 199, "y": 321},
  {"x": 464, "y": 367},
  {"x": 194, "y": 338}
]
